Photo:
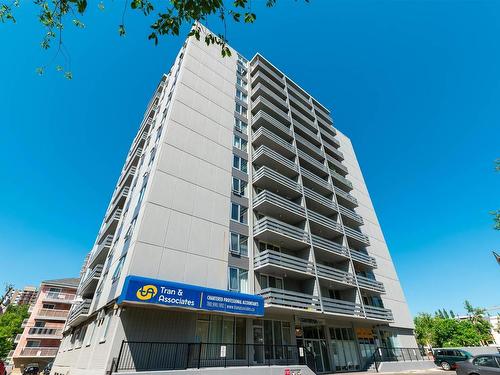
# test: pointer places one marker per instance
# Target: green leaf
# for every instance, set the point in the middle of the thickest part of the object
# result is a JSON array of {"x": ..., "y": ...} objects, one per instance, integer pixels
[
  {"x": 68, "y": 75},
  {"x": 100, "y": 6},
  {"x": 121, "y": 30},
  {"x": 39, "y": 70},
  {"x": 250, "y": 17}
]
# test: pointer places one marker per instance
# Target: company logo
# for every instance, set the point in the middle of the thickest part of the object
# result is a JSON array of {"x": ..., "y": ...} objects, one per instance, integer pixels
[{"x": 146, "y": 292}]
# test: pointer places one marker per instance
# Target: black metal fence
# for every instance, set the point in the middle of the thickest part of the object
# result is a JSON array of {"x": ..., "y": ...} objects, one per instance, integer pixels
[
  {"x": 148, "y": 356},
  {"x": 384, "y": 354}
]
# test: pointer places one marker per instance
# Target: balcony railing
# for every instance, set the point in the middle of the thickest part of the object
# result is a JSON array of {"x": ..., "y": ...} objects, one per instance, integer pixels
[
  {"x": 275, "y": 258},
  {"x": 324, "y": 221},
  {"x": 278, "y": 201},
  {"x": 367, "y": 283},
  {"x": 295, "y": 101},
  {"x": 363, "y": 258},
  {"x": 317, "y": 180},
  {"x": 275, "y": 138},
  {"x": 275, "y": 124},
  {"x": 326, "y": 202},
  {"x": 326, "y": 116},
  {"x": 112, "y": 220},
  {"x": 351, "y": 214},
  {"x": 103, "y": 246},
  {"x": 357, "y": 235},
  {"x": 321, "y": 166},
  {"x": 299, "y": 95},
  {"x": 59, "y": 297},
  {"x": 276, "y": 226},
  {"x": 315, "y": 149},
  {"x": 303, "y": 129},
  {"x": 264, "y": 150},
  {"x": 41, "y": 332},
  {"x": 17, "y": 338},
  {"x": 261, "y": 101},
  {"x": 94, "y": 275},
  {"x": 278, "y": 177},
  {"x": 346, "y": 196},
  {"x": 79, "y": 310},
  {"x": 341, "y": 179},
  {"x": 378, "y": 313},
  {"x": 39, "y": 352},
  {"x": 333, "y": 150},
  {"x": 328, "y": 137},
  {"x": 260, "y": 89},
  {"x": 52, "y": 314},
  {"x": 335, "y": 275},
  {"x": 288, "y": 298},
  {"x": 24, "y": 323},
  {"x": 259, "y": 65},
  {"x": 330, "y": 246},
  {"x": 303, "y": 119},
  {"x": 337, "y": 163},
  {"x": 261, "y": 77},
  {"x": 337, "y": 306}
]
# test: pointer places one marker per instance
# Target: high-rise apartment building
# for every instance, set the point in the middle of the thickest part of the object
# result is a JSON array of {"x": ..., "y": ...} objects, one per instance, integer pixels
[
  {"x": 25, "y": 296},
  {"x": 42, "y": 334},
  {"x": 240, "y": 217}
]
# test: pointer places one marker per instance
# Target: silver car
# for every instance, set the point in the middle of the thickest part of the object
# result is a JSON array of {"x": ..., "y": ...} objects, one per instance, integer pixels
[{"x": 486, "y": 364}]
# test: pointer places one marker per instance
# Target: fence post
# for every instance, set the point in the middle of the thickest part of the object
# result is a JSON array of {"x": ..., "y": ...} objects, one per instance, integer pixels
[
  {"x": 119, "y": 356},
  {"x": 409, "y": 354},
  {"x": 199, "y": 356},
  {"x": 248, "y": 354}
]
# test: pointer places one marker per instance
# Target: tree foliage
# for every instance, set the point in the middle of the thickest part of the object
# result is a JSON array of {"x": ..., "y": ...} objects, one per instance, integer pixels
[
  {"x": 445, "y": 330},
  {"x": 496, "y": 213},
  {"x": 10, "y": 326},
  {"x": 169, "y": 17}
]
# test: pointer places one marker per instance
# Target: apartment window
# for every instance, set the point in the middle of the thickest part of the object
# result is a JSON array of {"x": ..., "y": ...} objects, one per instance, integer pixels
[
  {"x": 89, "y": 337},
  {"x": 242, "y": 59},
  {"x": 241, "y": 109},
  {"x": 241, "y": 82},
  {"x": 130, "y": 229},
  {"x": 239, "y": 244},
  {"x": 238, "y": 280},
  {"x": 239, "y": 187},
  {"x": 48, "y": 306},
  {"x": 239, "y": 213},
  {"x": 240, "y": 95},
  {"x": 241, "y": 70},
  {"x": 118, "y": 269},
  {"x": 107, "y": 321},
  {"x": 240, "y": 163},
  {"x": 240, "y": 143},
  {"x": 152, "y": 158},
  {"x": 267, "y": 281},
  {"x": 240, "y": 126},
  {"x": 263, "y": 246},
  {"x": 334, "y": 294},
  {"x": 158, "y": 133}
]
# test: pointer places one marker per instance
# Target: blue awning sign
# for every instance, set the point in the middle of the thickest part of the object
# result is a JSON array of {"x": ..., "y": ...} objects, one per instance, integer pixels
[{"x": 172, "y": 294}]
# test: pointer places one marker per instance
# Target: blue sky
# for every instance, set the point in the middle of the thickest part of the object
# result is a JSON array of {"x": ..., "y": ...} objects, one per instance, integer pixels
[{"x": 415, "y": 84}]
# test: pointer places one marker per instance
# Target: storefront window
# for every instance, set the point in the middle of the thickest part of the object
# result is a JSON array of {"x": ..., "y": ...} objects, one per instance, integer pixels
[{"x": 345, "y": 354}]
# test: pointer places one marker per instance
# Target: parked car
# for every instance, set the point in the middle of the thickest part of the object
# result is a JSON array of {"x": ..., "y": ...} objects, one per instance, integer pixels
[
  {"x": 31, "y": 370},
  {"x": 46, "y": 370},
  {"x": 447, "y": 358},
  {"x": 3, "y": 370},
  {"x": 485, "y": 364}
]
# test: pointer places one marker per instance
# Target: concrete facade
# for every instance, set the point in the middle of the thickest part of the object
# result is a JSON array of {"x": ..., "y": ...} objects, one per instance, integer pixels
[{"x": 238, "y": 180}]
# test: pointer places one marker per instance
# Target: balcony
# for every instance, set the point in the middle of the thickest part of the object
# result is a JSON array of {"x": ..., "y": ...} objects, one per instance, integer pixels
[
  {"x": 52, "y": 314},
  {"x": 290, "y": 299},
  {"x": 357, "y": 236},
  {"x": 266, "y": 156},
  {"x": 263, "y": 104},
  {"x": 302, "y": 129},
  {"x": 335, "y": 275},
  {"x": 338, "y": 165},
  {"x": 270, "y": 139},
  {"x": 268, "y": 179},
  {"x": 325, "y": 223},
  {"x": 316, "y": 166},
  {"x": 275, "y": 231},
  {"x": 340, "y": 307},
  {"x": 271, "y": 204},
  {"x": 343, "y": 182},
  {"x": 79, "y": 312},
  {"x": 325, "y": 115},
  {"x": 319, "y": 202},
  {"x": 300, "y": 107},
  {"x": 24, "y": 323},
  {"x": 17, "y": 338},
  {"x": 329, "y": 246},
  {"x": 259, "y": 64},
  {"x": 134, "y": 159},
  {"x": 267, "y": 262},
  {"x": 262, "y": 90},
  {"x": 99, "y": 256},
  {"x": 303, "y": 119},
  {"x": 267, "y": 121},
  {"x": 319, "y": 183},
  {"x": 327, "y": 137},
  {"x": 58, "y": 297},
  {"x": 39, "y": 352},
  {"x": 90, "y": 283},
  {"x": 261, "y": 77},
  {"x": 370, "y": 284},
  {"x": 346, "y": 199},
  {"x": 111, "y": 224},
  {"x": 363, "y": 258},
  {"x": 299, "y": 93},
  {"x": 349, "y": 214},
  {"x": 313, "y": 150},
  {"x": 45, "y": 333},
  {"x": 120, "y": 197},
  {"x": 333, "y": 151},
  {"x": 378, "y": 313}
]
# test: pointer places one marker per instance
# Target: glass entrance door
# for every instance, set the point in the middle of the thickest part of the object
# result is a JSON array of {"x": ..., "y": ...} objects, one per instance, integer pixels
[
  {"x": 258, "y": 340},
  {"x": 319, "y": 350}
]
